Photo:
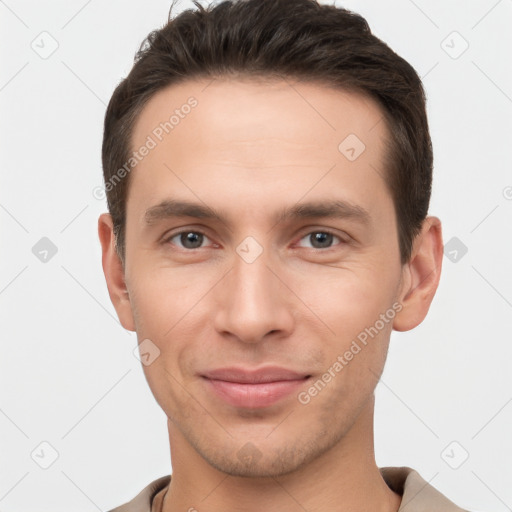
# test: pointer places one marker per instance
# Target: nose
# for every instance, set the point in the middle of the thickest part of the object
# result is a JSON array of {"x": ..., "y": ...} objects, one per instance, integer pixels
[{"x": 254, "y": 301}]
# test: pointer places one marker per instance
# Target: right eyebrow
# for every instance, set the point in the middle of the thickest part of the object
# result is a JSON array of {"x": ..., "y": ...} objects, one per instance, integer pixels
[
  {"x": 339, "y": 209},
  {"x": 175, "y": 208}
]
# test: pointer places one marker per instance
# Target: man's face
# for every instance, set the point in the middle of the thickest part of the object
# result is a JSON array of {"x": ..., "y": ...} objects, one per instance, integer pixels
[{"x": 257, "y": 289}]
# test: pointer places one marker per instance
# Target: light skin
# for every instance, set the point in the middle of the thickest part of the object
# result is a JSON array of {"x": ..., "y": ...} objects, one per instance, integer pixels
[{"x": 249, "y": 150}]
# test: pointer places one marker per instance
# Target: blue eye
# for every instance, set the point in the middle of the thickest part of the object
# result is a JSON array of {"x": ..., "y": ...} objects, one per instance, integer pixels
[
  {"x": 189, "y": 239},
  {"x": 321, "y": 239}
]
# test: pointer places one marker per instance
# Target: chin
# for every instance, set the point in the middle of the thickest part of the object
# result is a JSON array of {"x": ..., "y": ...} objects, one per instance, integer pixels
[
  {"x": 250, "y": 469},
  {"x": 262, "y": 460}
]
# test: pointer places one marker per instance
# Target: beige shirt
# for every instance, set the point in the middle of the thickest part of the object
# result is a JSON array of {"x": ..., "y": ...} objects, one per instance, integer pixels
[{"x": 417, "y": 494}]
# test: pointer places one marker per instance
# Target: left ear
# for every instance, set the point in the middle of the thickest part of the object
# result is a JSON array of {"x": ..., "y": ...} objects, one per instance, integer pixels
[{"x": 420, "y": 276}]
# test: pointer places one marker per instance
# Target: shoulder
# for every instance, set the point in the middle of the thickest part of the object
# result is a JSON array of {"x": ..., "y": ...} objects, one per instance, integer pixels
[
  {"x": 142, "y": 502},
  {"x": 418, "y": 495}
]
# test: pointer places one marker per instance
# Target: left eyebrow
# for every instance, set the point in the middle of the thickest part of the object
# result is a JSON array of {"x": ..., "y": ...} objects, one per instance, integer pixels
[
  {"x": 339, "y": 209},
  {"x": 318, "y": 209}
]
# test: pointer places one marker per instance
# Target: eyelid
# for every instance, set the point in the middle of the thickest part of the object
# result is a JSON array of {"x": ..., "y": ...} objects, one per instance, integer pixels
[
  {"x": 166, "y": 238},
  {"x": 344, "y": 239}
]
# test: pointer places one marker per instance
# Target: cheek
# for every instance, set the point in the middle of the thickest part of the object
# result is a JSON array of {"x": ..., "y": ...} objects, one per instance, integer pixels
[
  {"x": 163, "y": 312},
  {"x": 357, "y": 305},
  {"x": 351, "y": 300},
  {"x": 170, "y": 307},
  {"x": 161, "y": 297}
]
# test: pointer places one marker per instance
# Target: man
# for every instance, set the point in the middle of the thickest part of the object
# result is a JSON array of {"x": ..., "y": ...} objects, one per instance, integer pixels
[{"x": 268, "y": 171}]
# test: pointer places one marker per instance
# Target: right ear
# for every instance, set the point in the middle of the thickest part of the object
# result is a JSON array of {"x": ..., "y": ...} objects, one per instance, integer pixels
[{"x": 114, "y": 272}]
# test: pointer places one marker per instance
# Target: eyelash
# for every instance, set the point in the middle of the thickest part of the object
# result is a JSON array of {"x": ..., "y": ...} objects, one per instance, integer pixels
[{"x": 325, "y": 231}]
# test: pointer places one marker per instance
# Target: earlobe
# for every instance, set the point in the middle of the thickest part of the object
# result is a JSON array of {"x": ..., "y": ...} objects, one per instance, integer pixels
[
  {"x": 420, "y": 276},
  {"x": 114, "y": 272}
]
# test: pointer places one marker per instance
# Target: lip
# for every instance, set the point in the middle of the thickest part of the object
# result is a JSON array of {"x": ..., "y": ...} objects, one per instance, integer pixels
[{"x": 253, "y": 388}]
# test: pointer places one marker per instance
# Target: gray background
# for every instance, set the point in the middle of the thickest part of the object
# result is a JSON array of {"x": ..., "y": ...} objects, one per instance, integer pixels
[{"x": 68, "y": 373}]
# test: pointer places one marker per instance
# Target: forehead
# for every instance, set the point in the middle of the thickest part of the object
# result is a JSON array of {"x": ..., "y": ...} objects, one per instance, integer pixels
[
  {"x": 242, "y": 107},
  {"x": 261, "y": 135}
]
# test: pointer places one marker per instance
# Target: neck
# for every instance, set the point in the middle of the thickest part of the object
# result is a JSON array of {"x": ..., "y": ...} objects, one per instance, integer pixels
[{"x": 345, "y": 478}]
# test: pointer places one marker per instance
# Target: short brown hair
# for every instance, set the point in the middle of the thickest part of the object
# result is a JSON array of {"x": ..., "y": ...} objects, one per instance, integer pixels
[{"x": 297, "y": 39}]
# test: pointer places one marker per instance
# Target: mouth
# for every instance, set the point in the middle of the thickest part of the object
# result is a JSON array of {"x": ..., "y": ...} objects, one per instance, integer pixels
[{"x": 253, "y": 389}]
